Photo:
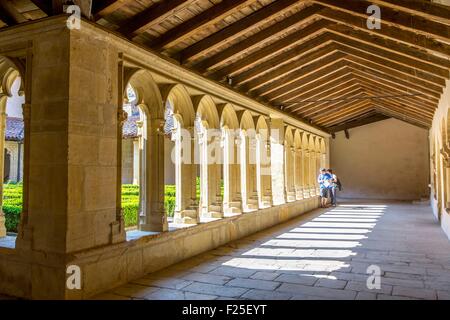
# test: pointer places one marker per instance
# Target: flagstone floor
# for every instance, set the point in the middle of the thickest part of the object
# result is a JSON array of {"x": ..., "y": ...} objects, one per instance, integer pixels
[{"x": 325, "y": 254}]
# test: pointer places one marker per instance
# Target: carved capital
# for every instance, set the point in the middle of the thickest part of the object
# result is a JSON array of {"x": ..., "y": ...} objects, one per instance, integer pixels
[{"x": 122, "y": 116}]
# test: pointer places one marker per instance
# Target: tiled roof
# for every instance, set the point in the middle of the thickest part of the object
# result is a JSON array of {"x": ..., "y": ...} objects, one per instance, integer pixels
[
  {"x": 130, "y": 128},
  {"x": 14, "y": 129}
]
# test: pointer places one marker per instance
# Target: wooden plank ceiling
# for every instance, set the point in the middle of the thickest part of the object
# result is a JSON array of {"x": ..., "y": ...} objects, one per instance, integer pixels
[{"x": 315, "y": 60}]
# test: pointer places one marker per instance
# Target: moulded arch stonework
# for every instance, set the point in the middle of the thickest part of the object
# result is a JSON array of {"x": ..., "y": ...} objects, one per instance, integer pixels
[
  {"x": 180, "y": 100},
  {"x": 147, "y": 92}
]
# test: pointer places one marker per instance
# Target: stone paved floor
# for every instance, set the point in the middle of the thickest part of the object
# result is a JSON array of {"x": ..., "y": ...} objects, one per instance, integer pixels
[{"x": 321, "y": 255}]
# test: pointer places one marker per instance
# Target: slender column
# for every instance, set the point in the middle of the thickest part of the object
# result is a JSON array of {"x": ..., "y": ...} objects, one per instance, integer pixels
[
  {"x": 298, "y": 174},
  {"x": 155, "y": 215},
  {"x": 306, "y": 175},
  {"x": 267, "y": 177},
  {"x": 243, "y": 168},
  {"x": 227, "y": 174},
  {"x": 142, "y": 129},
  {"x": 213, "y": 158}
]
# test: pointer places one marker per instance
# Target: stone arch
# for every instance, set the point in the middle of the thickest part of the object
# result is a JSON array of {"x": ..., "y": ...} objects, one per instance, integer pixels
[
  {"x": 12, "y": 69},
  {"x": 152, "y": 215},
  {"x": 181, "y": 101},
  {"x": 247, "y": 149},
  {"x": 208, "y": 155},
  {"x": 148, "y": 94},
  {"x": 206, "y": 110},
  {"x": 263, "y": 168},
  {"x": 231, "y": 172}
]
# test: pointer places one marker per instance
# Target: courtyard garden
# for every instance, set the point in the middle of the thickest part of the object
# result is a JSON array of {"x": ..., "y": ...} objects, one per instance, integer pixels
[{"x": 12, "y": 203}]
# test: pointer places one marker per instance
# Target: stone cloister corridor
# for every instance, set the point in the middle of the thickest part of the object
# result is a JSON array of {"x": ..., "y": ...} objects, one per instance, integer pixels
[
  {"x": 196, "y": 149},
  {"x": 320, "y": 255}
]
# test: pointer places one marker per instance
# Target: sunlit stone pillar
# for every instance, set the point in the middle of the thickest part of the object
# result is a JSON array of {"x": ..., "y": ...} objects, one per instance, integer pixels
[
  {"x": 263, "y": 171},
  {"x": 214, "y": 160},
  {"x": 185, "y": 210},
  {"x": 277, "y": 161},
  {"x": 155, "y": 215},
  {"x": 298, "y": 174},
  {"x": 306, "y": 175},
  {"x": 312, "y": 173},
  {"x": 243, "y": 152}
]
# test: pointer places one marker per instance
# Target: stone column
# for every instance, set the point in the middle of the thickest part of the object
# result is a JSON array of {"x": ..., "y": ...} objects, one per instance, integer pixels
[
  {"x": 277, "y": 161},
  {"x": 213, "y": 158},
  {"x": 306, "y": 175},
  {"x": 155, "y": 215},
  {"x": 267, "y": 177},
  {"x": 186, "y": 210},
  {"x": 297, "y": 175},
  {"x": 243, "y": 152}
]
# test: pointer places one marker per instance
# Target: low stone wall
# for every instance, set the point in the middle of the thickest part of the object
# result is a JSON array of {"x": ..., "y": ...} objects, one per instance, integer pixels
[{"x": 107, "y": 267}]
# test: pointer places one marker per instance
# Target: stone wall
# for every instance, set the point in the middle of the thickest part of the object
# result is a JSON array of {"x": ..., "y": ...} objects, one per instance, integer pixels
[{"x": 382, "y": 160}]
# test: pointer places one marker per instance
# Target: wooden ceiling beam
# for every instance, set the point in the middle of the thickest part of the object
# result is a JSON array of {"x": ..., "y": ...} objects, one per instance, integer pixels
[
  {"x": 393, "y": 84},
  {"x": 311, "y": 89},
  {"x": 254, "y": 20},
  {"x": 387, "y": 31},
  {"x": 342, "y": 110},
  {"x": 392, "y": 17},
  {"x": 302, "y": 92},
  {"x": 412, "y": 105},
  {"x": 9, "y": 14},
  {"x": 393, "y": 75},
  {"x": 291, "y": 77},
  {"x": 399, "y": 115},
  {"x": 393, "y": 65},
  {"x": 308, "y": 107},
  {"x": 350, "y": 112},
  {"x": 256, "y": 39},
  {"x": 391, "y": 57},
  {"x": 301, "y": 81},
  {"x": 380, "y": 90},
  {"x": 393, "y": 46},
  {"x": 206, "y": 18},
  {"x": 44, "y": 5},
  {"x": 294, "y": 41},
  {"x": 426, "y": 9},
  {"x": 151, "y": 16},
  {"x": 103, "y": 8},
  {"x": 302, "y": 63},
  {"x": 337, "y": 101},
  {"x": 281, "y": 58}
]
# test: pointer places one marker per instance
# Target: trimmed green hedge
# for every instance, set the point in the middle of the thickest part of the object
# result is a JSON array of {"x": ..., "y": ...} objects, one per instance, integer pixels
[{"x": 12, "y": 204}]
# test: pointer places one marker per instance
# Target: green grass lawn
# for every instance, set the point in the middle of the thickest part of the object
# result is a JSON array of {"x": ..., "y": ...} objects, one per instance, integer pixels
[{"x": 12, "y": 204}]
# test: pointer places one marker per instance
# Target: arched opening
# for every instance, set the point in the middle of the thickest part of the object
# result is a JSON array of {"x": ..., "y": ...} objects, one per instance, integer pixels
[
  {"x": 13, "y": 113},
  {"x": 180, "y": 176},
  {"x": 247, "y": 149},
  {"x": 147, "y": 120},
  {"x": 229, "y": 124},
  {"x": 208, "y": 155},
  {"x": 263, "y": 163}
]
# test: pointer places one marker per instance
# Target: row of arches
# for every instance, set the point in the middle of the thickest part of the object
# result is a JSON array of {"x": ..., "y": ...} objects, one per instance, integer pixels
[
  {"x": 233, "y": 154},
  {"x": 243, "y": 161},
  {"x": 440, "y": 162}
]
